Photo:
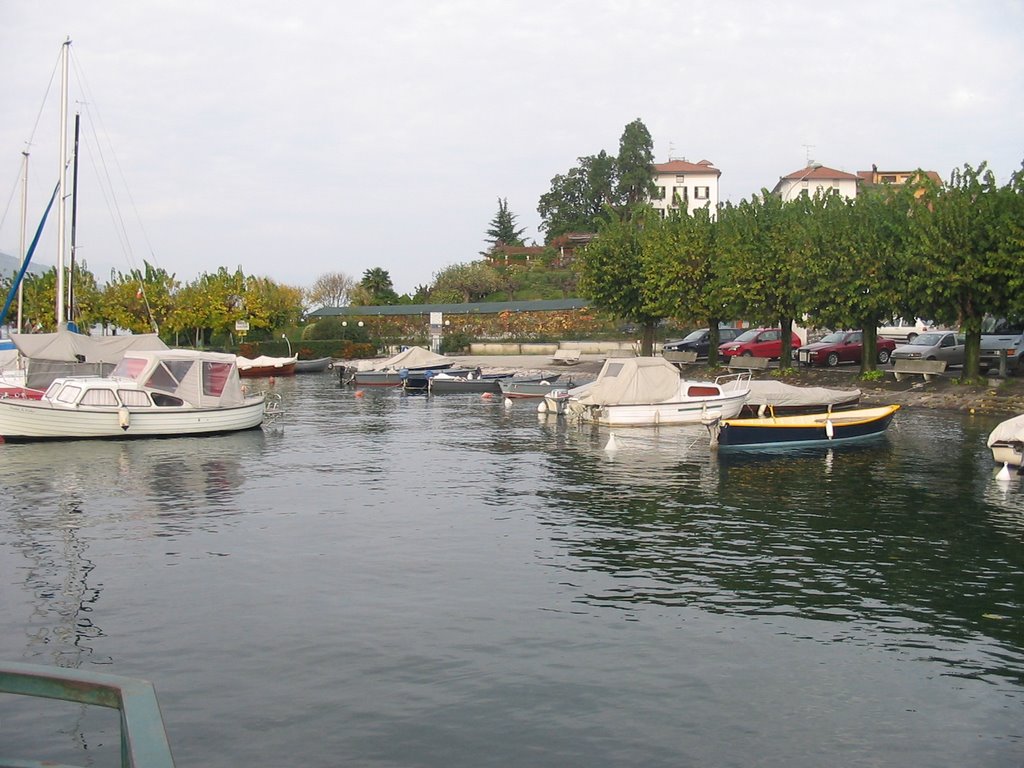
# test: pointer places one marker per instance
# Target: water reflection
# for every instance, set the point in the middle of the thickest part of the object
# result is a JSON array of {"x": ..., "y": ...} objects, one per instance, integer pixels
[{"x": 867, "y": 537}]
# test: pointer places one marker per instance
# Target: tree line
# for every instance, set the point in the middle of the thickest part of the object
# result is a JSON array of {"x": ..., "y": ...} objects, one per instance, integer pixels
[{"x": 952, "y": 253}]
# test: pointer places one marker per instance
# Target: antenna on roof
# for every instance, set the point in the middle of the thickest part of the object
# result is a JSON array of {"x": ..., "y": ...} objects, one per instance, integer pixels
[{"x": 807, "y": 151}]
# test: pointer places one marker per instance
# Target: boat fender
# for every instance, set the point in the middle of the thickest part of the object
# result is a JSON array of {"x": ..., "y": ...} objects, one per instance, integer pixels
[
  {"x": 542, "y": 407},
  {"x": 830, "y": 430},
  {"x": 124, "y": 418}
]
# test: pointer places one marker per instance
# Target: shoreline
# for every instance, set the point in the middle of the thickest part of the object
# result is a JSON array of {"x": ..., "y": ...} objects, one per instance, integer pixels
[{"x": 995, "y": 396}]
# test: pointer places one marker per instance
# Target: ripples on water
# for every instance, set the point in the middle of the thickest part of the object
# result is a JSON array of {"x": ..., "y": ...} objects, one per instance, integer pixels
[{"x": 409, "y": 580}]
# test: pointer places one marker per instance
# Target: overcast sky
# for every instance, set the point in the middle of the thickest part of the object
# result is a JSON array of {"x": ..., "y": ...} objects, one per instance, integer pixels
[{"x": 311, "y": 136}]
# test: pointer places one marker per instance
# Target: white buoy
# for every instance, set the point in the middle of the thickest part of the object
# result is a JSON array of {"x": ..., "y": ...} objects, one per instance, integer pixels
[
  {"x": 542, "y": 407},
  {"x": 611, "y": 445},
  {"x": 1004, "y": 473}
]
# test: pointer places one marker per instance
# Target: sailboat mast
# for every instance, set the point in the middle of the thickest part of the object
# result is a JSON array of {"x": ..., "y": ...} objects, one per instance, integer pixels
[
  {"x": 21, "y": 244},
  {"x": 74, "y": 220},
  {"x": 62, "y": 180}
]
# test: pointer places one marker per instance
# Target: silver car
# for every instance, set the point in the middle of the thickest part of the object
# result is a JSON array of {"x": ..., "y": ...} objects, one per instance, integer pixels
[{"x": 933, "y": 345}]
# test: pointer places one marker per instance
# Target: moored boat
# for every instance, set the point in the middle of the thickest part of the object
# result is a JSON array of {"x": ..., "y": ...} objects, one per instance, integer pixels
[
  {"x": 802, "y": 429},
  {"x": 266, "y": 366},
  {"x": 471, "y": 382},
  {"x": 396, "y": 371},
  {"x": 318, "y": 365},
  {"x": 771, "y": 397},
  {"x": 521, "y": 388},
  {"x": 649, "y": 391},
  {"x": 1006, "y": 442},
  {"x": 160, "y": 393}
]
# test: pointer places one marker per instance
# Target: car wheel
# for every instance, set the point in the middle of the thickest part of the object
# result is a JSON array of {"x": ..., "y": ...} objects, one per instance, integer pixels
[
  {"x": 832, "y": 360},
  {"x": 883, "y": 356},
  {"x": 747, "y": 353}
]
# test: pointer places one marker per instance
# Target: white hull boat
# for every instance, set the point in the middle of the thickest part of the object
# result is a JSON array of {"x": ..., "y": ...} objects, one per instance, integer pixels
[
  {"x": 1007, "y": 442},
  {"x": 648, "y": 391},
  {"x": 149, "y": 394}
]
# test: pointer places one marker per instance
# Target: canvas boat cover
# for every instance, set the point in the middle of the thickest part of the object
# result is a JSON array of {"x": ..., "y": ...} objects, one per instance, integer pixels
[
  {"x": 413, "y": 357},
  {"x": 1010, "y": 431},
  {"x": 780, "y": 395},
  {"x": 264, "y": 361},
  {"x": 202, "y": 379},
  {"x": 66, "y": 346},
  {"x": 634, "y": 380}
]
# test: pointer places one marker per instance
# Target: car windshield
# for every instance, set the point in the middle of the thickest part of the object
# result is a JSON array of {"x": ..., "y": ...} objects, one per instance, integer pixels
[
  {"x": 833, "y": 338},
  {"x": 927, "y": 339},
  {"x": 1001, "y": 325},
  {"x": 747, "y": 335},
  {"x": 694, "y": 336}
]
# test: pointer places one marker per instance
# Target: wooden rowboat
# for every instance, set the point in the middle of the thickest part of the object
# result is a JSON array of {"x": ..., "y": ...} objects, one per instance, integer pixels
[{"x": 802, "y": 430}]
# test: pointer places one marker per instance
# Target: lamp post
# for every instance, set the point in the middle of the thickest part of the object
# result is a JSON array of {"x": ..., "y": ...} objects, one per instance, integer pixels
[
  {"x": 800, "y": 180},
  {"x": 285, "y": 337}
]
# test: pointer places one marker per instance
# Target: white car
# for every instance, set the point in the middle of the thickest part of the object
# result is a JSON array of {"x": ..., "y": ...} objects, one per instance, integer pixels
[
  {"x": 933, "y": 345},
  {"x": 904, "y": 330}
]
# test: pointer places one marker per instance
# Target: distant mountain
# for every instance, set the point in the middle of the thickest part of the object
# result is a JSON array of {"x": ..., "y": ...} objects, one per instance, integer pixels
[{"x": 9, "y": 265}]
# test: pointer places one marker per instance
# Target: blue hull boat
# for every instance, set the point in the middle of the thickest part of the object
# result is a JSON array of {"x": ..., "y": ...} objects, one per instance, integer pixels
[{"x": 825, "y": 428}]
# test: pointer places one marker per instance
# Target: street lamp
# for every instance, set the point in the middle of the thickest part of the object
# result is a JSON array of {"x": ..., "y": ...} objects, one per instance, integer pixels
[
  {"x": 801, "y": 179},
  {"x": 285, "y": 337}
]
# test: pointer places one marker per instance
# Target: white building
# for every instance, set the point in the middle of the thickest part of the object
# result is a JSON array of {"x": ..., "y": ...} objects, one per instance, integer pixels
[
  {"x": 814, "y": 179},
  {"x": 680, "y": 183}
]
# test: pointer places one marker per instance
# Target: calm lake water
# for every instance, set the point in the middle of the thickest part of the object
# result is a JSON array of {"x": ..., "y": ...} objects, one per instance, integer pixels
[{"x": 440, "y": 581}]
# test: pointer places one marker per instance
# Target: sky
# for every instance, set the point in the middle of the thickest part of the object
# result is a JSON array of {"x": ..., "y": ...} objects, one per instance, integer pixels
[{"x": 294, "y": 139}]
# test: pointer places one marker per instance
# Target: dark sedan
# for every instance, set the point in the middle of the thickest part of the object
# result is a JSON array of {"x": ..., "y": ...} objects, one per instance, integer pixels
[
  {"x": 843, "y": 347},
  {"x": 698, "y": 341}
]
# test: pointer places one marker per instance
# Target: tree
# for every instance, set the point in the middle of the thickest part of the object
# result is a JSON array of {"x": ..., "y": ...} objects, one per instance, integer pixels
[
  {"x": 503, "y": 230},
  {"x": 633, "y": 165},
  {"x": 464, "y": 282},
  {"x": 331, "y": 289},
  {"x": 680, "y": 260},
  {"x": 139, "y": 300},
  {"x": 612, "y": 273},
  {"x": 577, "y": 200},
  {"x": 375, "y": 289},
  {"x": 967, "y": 251},
  {"x": 764, "y": 248}
]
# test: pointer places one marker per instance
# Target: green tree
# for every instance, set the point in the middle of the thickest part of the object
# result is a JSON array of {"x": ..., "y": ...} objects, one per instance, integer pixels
[
  {"x": 634, "y": 184},
  {"x": 966, "y": 248},
  {"x": 503, "y": 229},
  {"x": 680, "y": 259},
  {"x": 464, "y": 282},
  {"x": 612, "y": 273},
  {"x": 139, "y": 300},
  {"x": 577, "y": 200},
  {"x": 375, "y": 289},
  {"x": 765, "y": 245}
]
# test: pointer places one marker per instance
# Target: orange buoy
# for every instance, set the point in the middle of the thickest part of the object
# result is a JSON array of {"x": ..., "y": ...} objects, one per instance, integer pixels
[
  {"x": 359, "y": 393},
  {"x": 487, "y": 395}
]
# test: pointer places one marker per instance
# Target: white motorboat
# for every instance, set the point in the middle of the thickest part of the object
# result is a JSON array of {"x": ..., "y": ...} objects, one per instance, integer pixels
[
  {"x": 649, "y": 391},
  {"x": 1007, "y": 442},
  {"x": 158, "y": 393}
]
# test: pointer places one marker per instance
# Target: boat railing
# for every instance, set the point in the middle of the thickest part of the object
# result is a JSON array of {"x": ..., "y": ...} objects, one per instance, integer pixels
[
  {"x": 740, "y": 380},
  {"x": 143, "y": 738}
]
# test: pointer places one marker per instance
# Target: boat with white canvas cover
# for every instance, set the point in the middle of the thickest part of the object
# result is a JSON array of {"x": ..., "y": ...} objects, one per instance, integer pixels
[
  {"x": 649, "y": 391},
  {"x": 1006, "y": 442},
  {"x": 158, "y": 393}
]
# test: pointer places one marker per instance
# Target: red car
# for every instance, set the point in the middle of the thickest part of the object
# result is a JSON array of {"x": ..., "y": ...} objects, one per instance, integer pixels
[
  {"x": 757, "y": 342},
  {"x": 843, "y": 347}
]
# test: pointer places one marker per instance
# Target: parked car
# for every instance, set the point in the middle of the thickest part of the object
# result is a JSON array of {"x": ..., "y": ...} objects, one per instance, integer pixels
[
  {"x": 843, "y": 347},
  {"x": 933, "y": 345},
  {"x": 757, "y": 342},
  {"x": 902, "y": 330},
  {"x": 698, "y": 341}
]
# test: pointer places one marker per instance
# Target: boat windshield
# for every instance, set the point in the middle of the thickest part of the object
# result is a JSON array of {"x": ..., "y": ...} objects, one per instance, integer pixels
[{"x": 128, "y": 368}]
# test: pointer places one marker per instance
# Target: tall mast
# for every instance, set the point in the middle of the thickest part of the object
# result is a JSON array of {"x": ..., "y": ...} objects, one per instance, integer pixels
[
  {"x": 62, "y": 180},
  {"x": 74, "y": 220},
  {"x": 21, "y": 245}
]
